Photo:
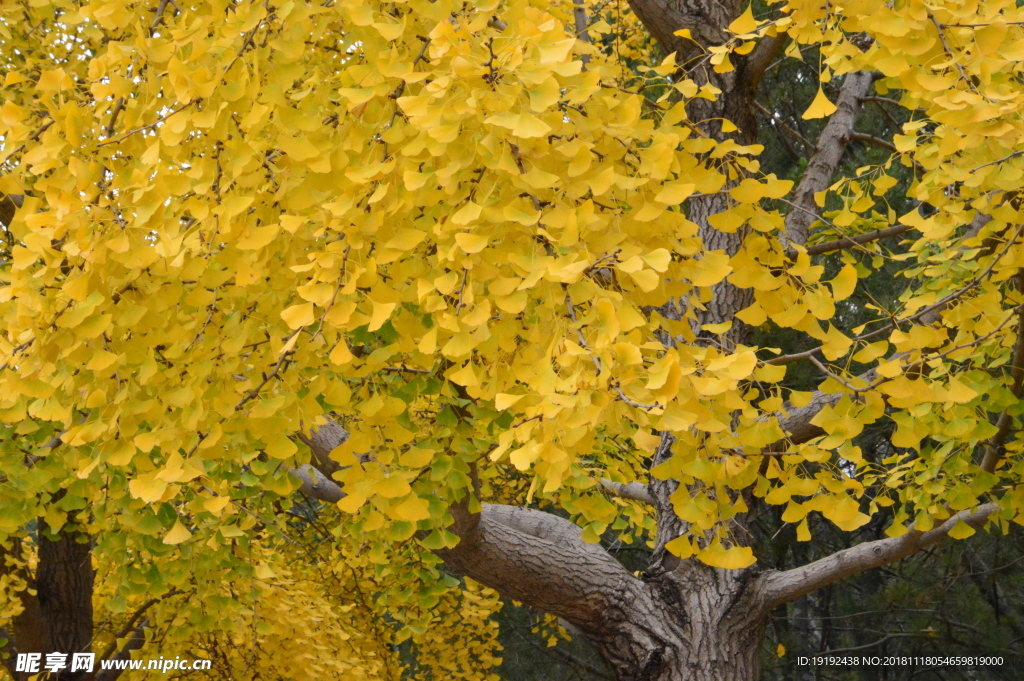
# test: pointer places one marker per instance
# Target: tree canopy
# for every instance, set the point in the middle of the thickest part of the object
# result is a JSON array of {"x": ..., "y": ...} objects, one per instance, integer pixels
[{"x": 309, "y": 307}]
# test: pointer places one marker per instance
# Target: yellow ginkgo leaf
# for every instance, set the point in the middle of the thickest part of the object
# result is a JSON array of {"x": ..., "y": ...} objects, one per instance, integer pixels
[
  {"x": 298, "y": 316},
  {"x": 465, "y": 376},
  {"x": 391, "y": 487},
  {"x": 411, "y": 510},
  {"x": 845, "y": 282},
  {"x": 961, "y": 530},
  {"x": 803, "y": 532},
  {"x": 734, "y": 558},
  {"x": 820, "y": 107},
  {"x": 530, "y": 126},
  {"x": 381, "y": 313},
  {"x": 177, "y": 534},
  {"x": 608, "y": 323},
  {"x": 711, "y": 269},
  {"x": 148, "y": 488},
  {"x": 471, "y": 243},
  {"x": 280, "y": 447},
  {"x": 341, "y": 354},
  {"x": 675, "y": 192},
  {"x": 744, "y": 23},
  {"x": 467, "y": 214},
  {"x": 503, "y": 401},
  {"x": 264, "y": 571},
  {"x": 101, "y": 360}
]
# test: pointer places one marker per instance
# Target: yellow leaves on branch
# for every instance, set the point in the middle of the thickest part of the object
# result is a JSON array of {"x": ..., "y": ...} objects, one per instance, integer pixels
[{"x": 455, "y": 239}]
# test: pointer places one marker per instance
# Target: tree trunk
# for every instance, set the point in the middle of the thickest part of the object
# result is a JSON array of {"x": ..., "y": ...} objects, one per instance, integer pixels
[
  {"x": 679, "y": 620},
  {"x": 699, "y": 626},
  {"x": 64, "y": 582},
  {"x": 58, "y": 617}
]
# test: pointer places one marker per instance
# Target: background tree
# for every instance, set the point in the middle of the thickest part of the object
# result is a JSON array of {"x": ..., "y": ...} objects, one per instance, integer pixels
[{"x": 521, "y": 257}]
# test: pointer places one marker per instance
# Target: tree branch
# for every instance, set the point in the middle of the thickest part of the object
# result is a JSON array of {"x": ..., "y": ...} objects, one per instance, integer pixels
[
  {"x": 860, "y": 239},
  {"x": 316, "y": 485},
  {"x": 136, "y": 639},
  {"x": 130, "y": 626},
  {"x": 829, "y": 152},
  {"x": 762, "y": 57},
  {"x": 871, "y": 139},
  {"x": 541, "y": 560},
  {"x": 796, "y": 421},
  {"x": 322, "y": 441},
  {"x": 782, "y": 587},
  {"x": 580, "y": 18},
  {"x": 637, "y": 491}
]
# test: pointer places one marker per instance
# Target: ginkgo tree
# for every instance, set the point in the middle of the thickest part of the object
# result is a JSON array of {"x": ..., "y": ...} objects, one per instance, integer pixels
[{"x": 477, "y": 283}]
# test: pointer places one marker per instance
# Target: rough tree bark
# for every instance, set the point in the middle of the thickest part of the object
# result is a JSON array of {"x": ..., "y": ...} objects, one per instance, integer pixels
[
  {"x": 679, "y": 620},
  {"x": 57, "y": 608},
  {"x": 58, "y": 617}
]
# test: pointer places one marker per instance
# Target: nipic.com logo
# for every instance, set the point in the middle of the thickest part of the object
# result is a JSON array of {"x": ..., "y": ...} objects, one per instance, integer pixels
[{"x": 33, "y": 663}]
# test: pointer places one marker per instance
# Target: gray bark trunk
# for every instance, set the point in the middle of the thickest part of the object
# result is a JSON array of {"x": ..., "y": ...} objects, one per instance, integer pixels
[
  {"x": 692, "y": 627},
  {"x": 679, "y": 620}
]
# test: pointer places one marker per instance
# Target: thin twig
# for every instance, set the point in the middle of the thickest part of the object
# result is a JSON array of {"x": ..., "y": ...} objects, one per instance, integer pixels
[
  {"x": 213, "y": 310},
  {"x": 118, "y": 107},
  {"x": 825, "y": 370},
  {"x": 949, "y": 51},
  {"x": 32, "y": 138},
  {"x": 273, "y": 373},
  {"x": 915, "y": 317},
  {"x": 871, "y": 139},
  {"x": 405, "y": 370},
  {"x": 803, "y": 140},
  {"x": 155, "y": 123}
]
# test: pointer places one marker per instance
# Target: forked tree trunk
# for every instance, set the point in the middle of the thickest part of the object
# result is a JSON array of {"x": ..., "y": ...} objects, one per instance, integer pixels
[{"x": 696, "y": 628}]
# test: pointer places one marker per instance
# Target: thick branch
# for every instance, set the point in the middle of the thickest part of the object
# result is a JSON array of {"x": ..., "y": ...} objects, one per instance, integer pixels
[
  {"x": 782, "y": 587},
  {"x": 541, "y": 560},
  {"x": 531, "y": 556},
  {"x": 762, "y": 57},
  {"x": 852, "y": 241},
  {"x": 637, "y": 491},
  {"x": 580, "y": 17},
  {"x": 830, "y": 147},
  {"x": 316, "y": 485},
  {"x": 322, "y": 441}
]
